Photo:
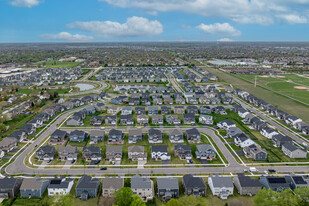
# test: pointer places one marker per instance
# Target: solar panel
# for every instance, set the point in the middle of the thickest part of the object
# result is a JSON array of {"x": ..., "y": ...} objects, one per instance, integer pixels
[
  {"x": 299, "y": 180},
  {"x": 55, "y": 181},
  {"x": 277, "y": 180}
]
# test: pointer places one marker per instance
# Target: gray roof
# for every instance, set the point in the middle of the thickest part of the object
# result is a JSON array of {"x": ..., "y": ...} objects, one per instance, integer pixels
[
  {"x": 138, "y": 182},
  {"x": 136, "y": 148},
  {"x": 117, "y": 149},
  {"x": 113, "y": 182},
  {"x": 7, "y": 183},
  {"x": 97, "y": 132},
  {"x": 246, "y": 181},
  {"x": 167, "y": 183},
  {"x": 32, "y": 183},
  {"x": 193, "y": 182},
  {"x": 86, "y": 182},
  {"x": 221, "y": 181},
  {"x": 60, "y": 183},
  {"x": 291, "y": 147}
]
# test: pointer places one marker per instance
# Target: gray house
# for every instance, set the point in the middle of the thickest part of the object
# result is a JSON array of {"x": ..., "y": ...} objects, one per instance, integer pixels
[
  {"x": 168, "y": 188},
  {"x": 135, "y": 135},
  {"x": 183, "y": 151},
  {"x": 9, "y": 187},
  {"x": 46, "y": 153},
  {"x": 205, "y": 152},
  {"x": 175, "y": 136},
  {"x": 221, "y": 186},
  {"x": 78, "y": 136},
  {"x": 155, "y": 136},
  {"x": 194, "y": 185},
  {"x": 277, "y": 184},
  {"x": 247, "y": 185},
  {"x": 193, "y": 135},
  {"x": 293, "y": 151},
  {"x": 58, "y": 137},
  {"x": 33, "y": 187},
  {"x": 96, "y": 136},
  {"x": 92, "y": 153},
  {"x": 87, "y": 187},
  {"x": 115, "y": 136}
]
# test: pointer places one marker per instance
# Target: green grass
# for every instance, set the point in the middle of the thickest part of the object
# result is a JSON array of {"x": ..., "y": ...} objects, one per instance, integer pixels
[
  {"x": 277, "y": 100},
  {"x": 58, "y": 64}
]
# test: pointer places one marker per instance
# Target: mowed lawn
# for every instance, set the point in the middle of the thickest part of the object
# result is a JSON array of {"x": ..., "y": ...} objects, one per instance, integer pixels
[
  {"x": 277, "y": 100},
  {"x": 284, "y": 84},
  {"x": 58, "y": 64}
]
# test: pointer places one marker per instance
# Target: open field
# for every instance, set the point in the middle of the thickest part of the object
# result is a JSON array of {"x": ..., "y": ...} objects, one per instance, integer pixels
[
  {"x": 277, "y": 100},
  {"x": 291, "y": 84},
  {"x": 58, "y": 64}
]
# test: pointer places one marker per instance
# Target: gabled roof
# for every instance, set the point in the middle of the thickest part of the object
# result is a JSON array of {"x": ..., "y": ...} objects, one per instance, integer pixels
[{"x": 193, "y": 182}]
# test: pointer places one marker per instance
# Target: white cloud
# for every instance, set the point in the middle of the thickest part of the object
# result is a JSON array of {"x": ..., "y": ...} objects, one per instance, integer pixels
[
  {"x": 293, "y": 19},
  {"x": 225, "y": 40},
  {"x": 224, "y": 29},
  {"x": 67, "y": 37},
  {"x": 264, "y": 12},
  {"x": 133, "y": 27},
  {"x": 25, "y": 3}
]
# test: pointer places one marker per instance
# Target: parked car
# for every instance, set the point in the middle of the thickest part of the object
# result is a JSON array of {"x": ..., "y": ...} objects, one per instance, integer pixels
[{"x": 103, "y": 168}]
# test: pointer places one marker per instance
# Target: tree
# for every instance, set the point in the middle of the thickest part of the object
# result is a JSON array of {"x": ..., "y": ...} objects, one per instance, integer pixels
[
  {"x": 124, "y": 196},
  {"x": 270, "y": 197},
  {"x": 302, "y": 196},
  {"x": 174, "y": 202},
  {"x": 137, "y": 201}
]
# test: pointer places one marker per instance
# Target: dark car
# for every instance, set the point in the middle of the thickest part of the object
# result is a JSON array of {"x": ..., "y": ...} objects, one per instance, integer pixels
[
  {"x": 103, "y": 168},
  {"x": 97, "y": 162},
  {"x": 271, "y": 170},
  {"x": 72, "y": 161}
]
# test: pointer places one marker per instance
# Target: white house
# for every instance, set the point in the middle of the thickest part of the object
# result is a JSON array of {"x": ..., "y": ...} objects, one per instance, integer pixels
[
  {"x": 226, "y": 124},
  {"x": 293, "y": 151},
  {"x": 268, "y": 132},
  {"x": 243, "y": 141},
  {"x": 159, "y": 152},
  {"x": 60, "y": 186},
  {"x": 221, "y": 186}
]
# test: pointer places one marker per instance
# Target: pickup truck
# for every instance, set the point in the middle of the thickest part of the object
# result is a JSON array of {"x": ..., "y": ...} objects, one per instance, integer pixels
[{"x": 253, "y": 169}]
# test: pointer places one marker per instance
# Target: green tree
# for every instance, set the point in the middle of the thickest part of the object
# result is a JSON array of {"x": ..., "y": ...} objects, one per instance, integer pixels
[
  {"x": 174, "y": 202},
  {"x": 124, "y": 196},
  {"x": 302, "y": 196},
  {"x": 137, "y": 201}
]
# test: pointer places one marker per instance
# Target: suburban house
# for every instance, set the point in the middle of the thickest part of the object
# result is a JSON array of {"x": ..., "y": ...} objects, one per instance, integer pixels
[
  {"x": 9, "y": 187},
  {"x": 153, "y": 110},
  {"x": 194, "y": 185},
  {"x": 74, "y": 121},
  {"x": 115, "y": 136},
  {"x": 296, "y": 181},
  {"x": 166, "y": 110},
  {"x": 206, "y": 119},
  {"x": 173, "y": 119},
  {"x": 143, "y": 187},
  {"x": 110, "y": 185},
  {"x": 175, "y": 136},
  {"x": 137, "y": 153},
  {"x": 111, "y": 120},
  {"x": 279, "y": 140},
  {"x": 58, "y": 137},
  {"x": 46, "y": 153},
  {"x": 60, "y": 185},
  {"x": 157, "y": 119},
  {"x": 293, "y": 151},
  {"x": 68, "y": 153},
  {"x": 126, "y": 110},
  {"x": 155, "y": 136},
  {"x": 140, "y": 110},
  {"x": 183, "y": 152},
  {"x": 135, "y": 135},
  {"x": 188, "y": 118},
  {"x": 92, "y": 153},
  {"x": 33, "y": 187},
  {"x": 226, "y": 124},
  {"x": 193, "y": 135},
  {"x": 142, "y": 119},
  {"x": 255, "y": 152},
  {"x": 205, "y": 152},
  {"x": 221, "y": 186},
  {"x": 126, "y": 120},
  {"x": 96, "y": 120},
  {"x": 246, "y": 185},
  {"x": 168, "y": 188},
  {"x": 277, "y": 184},
  {"x": 268, "y": 132},
  {"x": 87, "y": 187},
  {"x": 113, "y": 153},
  {"x": 78, "y": 136},
  {"x": 243, "y": 140},
  {"x": 96, "y": 136},
  {"x": 159, "y": 153},
  {"x": 179, "y": 110},
  {"x": 8, "y": 144}
]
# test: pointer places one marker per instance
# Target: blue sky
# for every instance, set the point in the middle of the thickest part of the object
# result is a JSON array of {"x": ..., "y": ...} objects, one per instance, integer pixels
[{"x": 149, "y": 20}]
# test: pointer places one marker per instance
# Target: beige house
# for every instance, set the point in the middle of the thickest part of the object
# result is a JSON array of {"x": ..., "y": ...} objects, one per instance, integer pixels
[
  {"x": 111, "y": 185},
  {"x": 136, "y": 153}
]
